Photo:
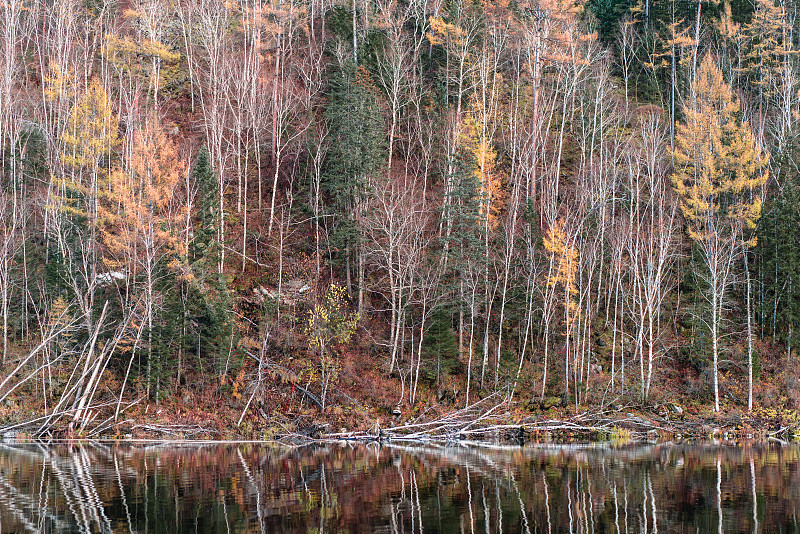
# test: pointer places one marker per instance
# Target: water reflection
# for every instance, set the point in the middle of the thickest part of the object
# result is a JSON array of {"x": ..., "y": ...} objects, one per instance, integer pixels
[{"x": 397, "y": 488}]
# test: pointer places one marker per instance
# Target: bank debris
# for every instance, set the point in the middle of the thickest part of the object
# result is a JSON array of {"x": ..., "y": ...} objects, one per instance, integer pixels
[{"x": 489, "y": 419}]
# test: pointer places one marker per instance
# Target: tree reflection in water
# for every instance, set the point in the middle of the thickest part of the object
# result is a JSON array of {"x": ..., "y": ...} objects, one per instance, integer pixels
[{"x": 394, "y": 488}]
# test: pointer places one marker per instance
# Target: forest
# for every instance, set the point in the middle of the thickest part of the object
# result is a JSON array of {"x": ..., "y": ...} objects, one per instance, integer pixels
[{"x": 258, "y": 213}]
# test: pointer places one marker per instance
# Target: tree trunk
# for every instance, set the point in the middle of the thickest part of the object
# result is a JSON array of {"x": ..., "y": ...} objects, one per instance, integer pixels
[{"x": 749, "y": 338}]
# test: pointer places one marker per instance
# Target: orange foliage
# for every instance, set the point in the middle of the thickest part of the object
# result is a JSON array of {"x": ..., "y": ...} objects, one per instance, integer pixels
[{"x": 141, "y": 219}]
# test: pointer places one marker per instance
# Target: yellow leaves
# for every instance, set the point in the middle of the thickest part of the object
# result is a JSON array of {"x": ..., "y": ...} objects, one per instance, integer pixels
[
  {"x": 477, "y": 136},
  {"x": 767, "y": 44},
  {"x": 330, "y": 321},
  {"x": 91, "y": 130},
  {"x": 59, "y": 314},
  {"x": 564, "y": 261},
  {"x": 238, "y": 384},
  {"x": 140, "y": 221},
  {"x": 563, "y": 8},
  {"x": 564, "y": 255},
  {"x": 126, "y": 51},
  {"x": 677, "y": 40},
  {"x": 728, "y": 29},
  {"x": 747, "y": 213},
  {"x": 141, "y": 58},
  {"x": 59, "y": 83},
  {"x": 717, "y": 160}
]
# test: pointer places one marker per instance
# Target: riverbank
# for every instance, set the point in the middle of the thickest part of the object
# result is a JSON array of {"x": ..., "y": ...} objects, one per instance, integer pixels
[
  {"x": 489, "y": 419},
  {"x": 362, "y": 404}
]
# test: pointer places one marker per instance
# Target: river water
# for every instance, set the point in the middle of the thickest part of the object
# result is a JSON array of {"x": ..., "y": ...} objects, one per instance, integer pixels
[{"x": 248, "y": 487}]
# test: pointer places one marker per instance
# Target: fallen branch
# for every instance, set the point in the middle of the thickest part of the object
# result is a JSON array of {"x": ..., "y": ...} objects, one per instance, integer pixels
[
  {"x": 313, "y": 398},
  {"x": 174, "y": 429}
]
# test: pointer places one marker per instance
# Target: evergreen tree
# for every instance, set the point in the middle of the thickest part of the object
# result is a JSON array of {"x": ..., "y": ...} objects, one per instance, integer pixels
[
  {"x": 355, "y": 156},
  {"x": 441, "y": 346},
  {"x": 778, "y": 251},
  {"x": 463, "y": 248},
  {"x": 206, "y": 298},
  {"x": 204, "y": 247}
]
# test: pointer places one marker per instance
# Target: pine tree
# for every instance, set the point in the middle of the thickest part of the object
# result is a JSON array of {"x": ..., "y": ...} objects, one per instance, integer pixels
[{"x": 718, "y": 167}]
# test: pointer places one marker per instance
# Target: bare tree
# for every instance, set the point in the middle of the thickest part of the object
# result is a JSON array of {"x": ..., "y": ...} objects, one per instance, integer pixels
[{"x": 652, "y": 240}]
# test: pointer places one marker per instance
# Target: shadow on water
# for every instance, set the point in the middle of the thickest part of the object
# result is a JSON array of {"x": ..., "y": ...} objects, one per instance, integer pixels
[{"x": 393, "y": 488}]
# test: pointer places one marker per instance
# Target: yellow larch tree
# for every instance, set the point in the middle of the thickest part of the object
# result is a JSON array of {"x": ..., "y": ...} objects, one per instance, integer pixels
[
  {"x": 768, "y": 44},
  {"x": 718, "y": 167},
  {"x": 140, "y": 224},
  {"x": 563, "y": 271},
  {"x": 141, "y": 51},
  {"x": 477, "y": 136},
  {"x": 88, "y": 139}
]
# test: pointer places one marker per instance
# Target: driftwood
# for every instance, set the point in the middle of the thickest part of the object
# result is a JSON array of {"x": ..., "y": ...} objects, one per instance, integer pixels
[
  {"x": 184, "y": 430},
  {"x": 487, "y": 419}
]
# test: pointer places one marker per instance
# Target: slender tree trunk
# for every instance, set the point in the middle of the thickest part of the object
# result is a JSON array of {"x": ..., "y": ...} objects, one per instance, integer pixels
[
  {"x": 749, "y": 338},
  {"x": 715, "y": 343},
  {"x": 355, "y": 34}
]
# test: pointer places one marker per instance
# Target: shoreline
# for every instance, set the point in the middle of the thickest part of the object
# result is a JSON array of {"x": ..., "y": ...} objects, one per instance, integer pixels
[{"x": 589, "y": 427}]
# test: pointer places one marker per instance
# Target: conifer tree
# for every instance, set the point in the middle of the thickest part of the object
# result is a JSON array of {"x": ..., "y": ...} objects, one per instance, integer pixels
[
  {"x": 440, "y": 344},
  {"x": 463, "y": 248},
  {"x": 207, "y": 300},
  {"x": 355, "y": 157},
  {"x": 562, "y": 275},
  {"x": 204, "y": 246},
  {"x": 88, "y": 141},
  {"x": 778, "y": 249},
  {"x": 141, "y": 237},
  {"x": 718, "y": 167}
]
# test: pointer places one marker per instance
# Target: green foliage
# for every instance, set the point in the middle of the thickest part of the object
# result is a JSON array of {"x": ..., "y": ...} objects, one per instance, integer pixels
[
  {"x": 608, "y": 13},
  {"x": 778, "y": 251},
  {"x": 28, "y": 155},
  {"x": 462, "y": 210},
  {"x": 369, "y": 42},
  {"x": 440, "y": 348},
  {"x": 204, "y": 247},
  {"x": 206, "y": 298},
  {"x": 356, "y": 151},
  {"x": 340, "y": 23}
]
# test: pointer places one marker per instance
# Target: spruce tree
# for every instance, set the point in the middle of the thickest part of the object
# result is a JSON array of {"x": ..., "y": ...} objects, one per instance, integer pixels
[
  {"x": 207, "y": 302},
  {"x": 355, "y": 156},
  {"x": 778, "y": 252},
  {"x": 441, "y": 346},
  {"x": 463, "y": 247}
]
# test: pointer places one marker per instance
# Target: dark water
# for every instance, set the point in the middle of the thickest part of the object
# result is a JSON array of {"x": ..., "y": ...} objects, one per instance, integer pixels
[{"x": 398, "y": 488}]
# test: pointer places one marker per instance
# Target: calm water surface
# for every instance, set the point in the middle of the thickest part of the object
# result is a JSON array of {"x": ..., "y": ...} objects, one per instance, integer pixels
[{"x": 398, "y": 488}]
